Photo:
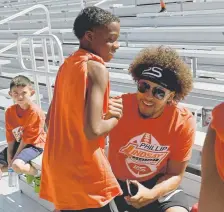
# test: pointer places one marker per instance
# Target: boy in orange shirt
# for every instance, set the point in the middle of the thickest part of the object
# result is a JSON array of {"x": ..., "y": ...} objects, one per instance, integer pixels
[
  {"x": 151, "y": 145},
  {"x": 76, "y": 174},
  {"x": 212, "y": 185},
  {"x": 24, "y": 123}
]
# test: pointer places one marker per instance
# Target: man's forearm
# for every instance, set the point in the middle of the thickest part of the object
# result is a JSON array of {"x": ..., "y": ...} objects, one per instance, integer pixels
[{"x": 166, "y": 184}]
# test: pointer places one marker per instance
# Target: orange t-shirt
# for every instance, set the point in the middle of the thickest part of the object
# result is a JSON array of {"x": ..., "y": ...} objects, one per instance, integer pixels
[
  {"x": 75, "y": 171},
  {"x": 140, "y": 148},
  {"x": 217, "y": 124},
  {"x": 26, "y": 125}
]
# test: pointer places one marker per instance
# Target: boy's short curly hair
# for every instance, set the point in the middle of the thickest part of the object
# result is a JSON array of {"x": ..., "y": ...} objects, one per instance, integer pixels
[
  {"x": 168, "y": 58},
  {"x": 20, "y": 80},
  {"x": 91, "y": 17}
]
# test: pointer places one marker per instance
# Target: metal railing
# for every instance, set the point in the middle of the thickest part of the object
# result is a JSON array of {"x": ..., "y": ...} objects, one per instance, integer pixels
[
  {"x": 10, "y": 18},
  {"x": 100, "y": 2},
  {"x": 182, "y": 13},
  {"x": 114, "y": 6},
  {"x": 194, "y": 61},
  {"x": 45, "y": 70}
]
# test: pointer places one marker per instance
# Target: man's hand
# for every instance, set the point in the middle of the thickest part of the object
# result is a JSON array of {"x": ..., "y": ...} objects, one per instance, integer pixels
[
  {"x": 115, "y": 108},
  {"x": 144, "y": 196}
]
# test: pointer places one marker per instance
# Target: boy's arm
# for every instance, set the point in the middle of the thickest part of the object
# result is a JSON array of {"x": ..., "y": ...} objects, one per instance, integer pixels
[
  {"x": 94, "y": 125},
  {"x": 10, "y": 152},
  {"x": 48, "y": 116},
  {"x": 20, "y": 148},
  {"x": 9, "y": 137},
  {"x": 210, "y": 181}
]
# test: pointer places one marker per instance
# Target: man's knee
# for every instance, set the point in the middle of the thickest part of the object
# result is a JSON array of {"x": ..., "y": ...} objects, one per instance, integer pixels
[
  {"x": 18, "y": 165},
  {"x": 176, "y": 209}
]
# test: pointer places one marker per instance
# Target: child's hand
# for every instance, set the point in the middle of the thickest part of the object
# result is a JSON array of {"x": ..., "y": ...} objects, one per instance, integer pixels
[
  {"x": 9, "y": 160},
  {"x": 115, "y": 108}
]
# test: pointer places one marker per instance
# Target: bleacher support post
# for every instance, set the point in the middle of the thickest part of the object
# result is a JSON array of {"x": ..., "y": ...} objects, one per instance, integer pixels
[
  {"x": 194, "y": 64},
  {"x": 181, "y": 6},
  {"x": 82, "y": 3}
]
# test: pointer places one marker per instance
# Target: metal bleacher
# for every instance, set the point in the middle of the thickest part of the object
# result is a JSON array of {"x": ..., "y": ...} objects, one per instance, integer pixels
[
  {"x": 194, "y": 28},
  {"x": 200, "y": 42}
]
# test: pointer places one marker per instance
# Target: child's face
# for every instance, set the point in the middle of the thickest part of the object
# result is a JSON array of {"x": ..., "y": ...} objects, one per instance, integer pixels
[
  {"x": 21, "y": 95},
  {"x": 104, "y": 40}
]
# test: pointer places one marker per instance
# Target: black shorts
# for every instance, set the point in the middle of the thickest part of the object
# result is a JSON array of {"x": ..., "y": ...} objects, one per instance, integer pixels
[
  {"x": 27, "y": 154},
  {"x": 175, "y": 198},
  {"x": 106, "y": 208}
]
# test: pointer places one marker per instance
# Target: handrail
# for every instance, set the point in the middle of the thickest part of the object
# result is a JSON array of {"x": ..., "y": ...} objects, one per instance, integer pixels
[
  {"x": 15, "y": 43},
  {"x": 38, "y": 6},
  {"x": 160, "y": 29},
  {"x": 181, "y": 13},
  {"x": 53, "y": 39},
  {"x": 171, "y": 29},
  {"x": 99, "y": 3},
  {"x": 21, "y": 38},
  {"x": 29, "y": 3},
  {"x": 82, "y": 4}
]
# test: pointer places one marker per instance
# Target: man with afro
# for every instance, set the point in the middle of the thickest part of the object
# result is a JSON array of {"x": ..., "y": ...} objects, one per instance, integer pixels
[{"x": 152, "y": 143}]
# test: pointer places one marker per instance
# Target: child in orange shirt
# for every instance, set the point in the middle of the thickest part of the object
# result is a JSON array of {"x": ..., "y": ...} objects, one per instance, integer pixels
[
  {"x": 24, "y": 123},
  {"x": 212, "y": 185},
  {"x": 76, "y": 174}
]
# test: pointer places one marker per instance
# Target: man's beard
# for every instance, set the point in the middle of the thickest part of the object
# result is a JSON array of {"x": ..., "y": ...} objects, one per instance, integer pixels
[{"x": 143, "y": 115}]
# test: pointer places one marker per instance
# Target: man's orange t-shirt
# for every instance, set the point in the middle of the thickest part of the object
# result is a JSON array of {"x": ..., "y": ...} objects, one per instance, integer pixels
[
  {"x": 75, "y": 171},
  {"x": 26, "y": 125},
  {"x": 140, "y": 148},
  {"x": 217, "y": 124}
]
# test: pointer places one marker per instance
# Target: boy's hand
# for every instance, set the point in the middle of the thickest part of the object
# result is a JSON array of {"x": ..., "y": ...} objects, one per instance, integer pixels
[
  {"x": 9, "y": 160},
  {"x": 10, "y": 153},
  {"x": 115, "y": 108}
]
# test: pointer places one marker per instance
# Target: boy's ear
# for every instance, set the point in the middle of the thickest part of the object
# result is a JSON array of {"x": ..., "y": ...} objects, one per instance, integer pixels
[
  {"x": 10, "y": 93},
  {"x": 89, "y": 36},
  {"x": 32, "y": 92}
]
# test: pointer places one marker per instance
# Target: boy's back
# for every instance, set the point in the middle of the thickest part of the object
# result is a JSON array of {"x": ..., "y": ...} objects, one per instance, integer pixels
[
  {"x": 92, "y": 183},
  {"x": 70, "y": 97}
]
